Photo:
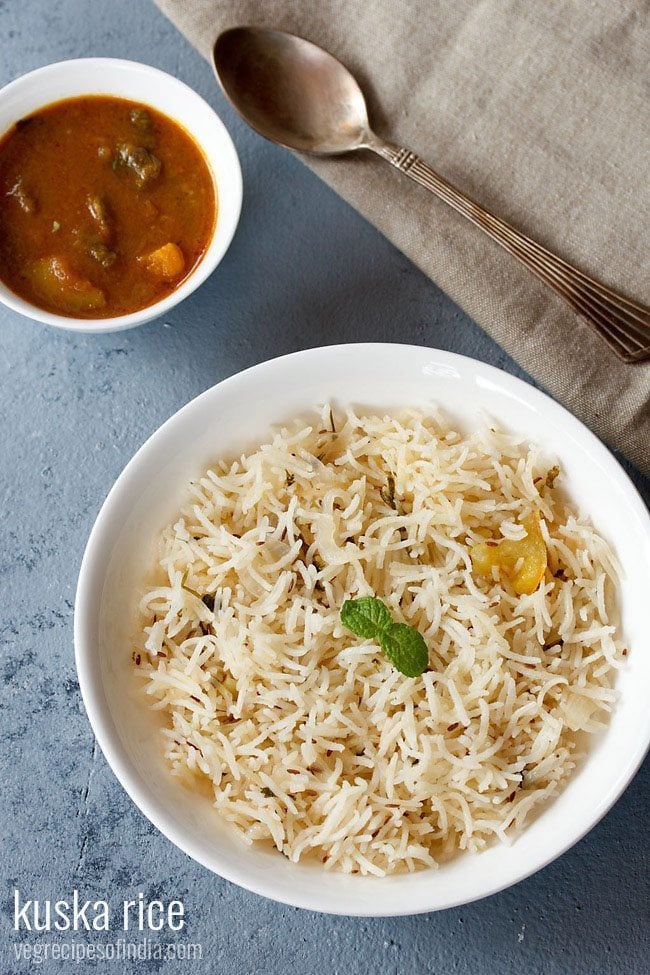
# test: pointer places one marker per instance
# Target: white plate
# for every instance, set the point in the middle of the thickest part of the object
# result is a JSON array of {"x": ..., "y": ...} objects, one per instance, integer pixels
[{"x": 236, "y": 415}]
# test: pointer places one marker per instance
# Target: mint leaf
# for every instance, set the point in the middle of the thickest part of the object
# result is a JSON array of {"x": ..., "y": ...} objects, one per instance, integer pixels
[
  {"x": 366, "y": 617},
  {"x": 405, "y": 648}
]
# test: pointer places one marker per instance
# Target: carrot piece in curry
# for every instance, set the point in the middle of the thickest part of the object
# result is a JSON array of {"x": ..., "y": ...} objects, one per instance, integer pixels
[{"x": 167, "y": 262}]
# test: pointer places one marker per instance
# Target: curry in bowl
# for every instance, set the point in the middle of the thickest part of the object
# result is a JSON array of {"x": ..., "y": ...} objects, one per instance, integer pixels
[{"x": 106, "y": 206}]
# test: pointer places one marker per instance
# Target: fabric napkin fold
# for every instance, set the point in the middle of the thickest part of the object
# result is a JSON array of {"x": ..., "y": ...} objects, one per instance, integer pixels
[{"x": 540, "y": 111}]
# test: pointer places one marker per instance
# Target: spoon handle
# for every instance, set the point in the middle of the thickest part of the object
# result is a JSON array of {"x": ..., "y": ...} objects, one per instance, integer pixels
[{"x": 624, "y": 324}]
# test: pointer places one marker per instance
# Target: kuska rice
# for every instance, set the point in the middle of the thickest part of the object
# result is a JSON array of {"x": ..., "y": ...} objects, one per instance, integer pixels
[{"x": 309, "y": 737}]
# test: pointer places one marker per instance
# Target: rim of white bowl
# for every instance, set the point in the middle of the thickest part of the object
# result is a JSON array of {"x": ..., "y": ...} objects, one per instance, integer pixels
[
  {"x": 92, "y": 571},
  {"x": 222, "y": 234}
]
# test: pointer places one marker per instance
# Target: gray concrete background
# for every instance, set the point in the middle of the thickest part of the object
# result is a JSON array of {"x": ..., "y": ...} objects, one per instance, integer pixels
[{"x": 304, "y": 270}]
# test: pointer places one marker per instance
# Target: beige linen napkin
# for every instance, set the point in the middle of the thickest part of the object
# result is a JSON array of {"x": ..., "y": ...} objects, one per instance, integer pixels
[{"x": 540, "y": 109}]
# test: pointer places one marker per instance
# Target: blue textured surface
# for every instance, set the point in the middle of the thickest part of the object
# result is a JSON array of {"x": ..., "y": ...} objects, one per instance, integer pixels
[{"x": 304, "y": 270}]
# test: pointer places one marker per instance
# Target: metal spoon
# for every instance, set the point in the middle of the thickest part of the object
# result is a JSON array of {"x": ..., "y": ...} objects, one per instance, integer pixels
[{"x": 296, "y": 94}]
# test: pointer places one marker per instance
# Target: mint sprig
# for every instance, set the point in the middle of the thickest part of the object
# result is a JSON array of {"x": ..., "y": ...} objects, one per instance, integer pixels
[
  {"x": 366, "y": 617},
  {"x": 404, "y": 646}
]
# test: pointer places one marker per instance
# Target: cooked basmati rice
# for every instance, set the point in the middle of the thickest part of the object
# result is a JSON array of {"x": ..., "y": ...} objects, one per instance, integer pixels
[{"x": 308, "y": 737}]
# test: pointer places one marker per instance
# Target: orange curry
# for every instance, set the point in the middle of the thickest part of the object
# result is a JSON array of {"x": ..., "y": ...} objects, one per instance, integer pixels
[{"x": 106, "y": 205}]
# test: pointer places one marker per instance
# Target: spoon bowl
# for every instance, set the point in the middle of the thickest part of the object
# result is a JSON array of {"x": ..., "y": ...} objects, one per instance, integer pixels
[{"x": 291, "y": 91}]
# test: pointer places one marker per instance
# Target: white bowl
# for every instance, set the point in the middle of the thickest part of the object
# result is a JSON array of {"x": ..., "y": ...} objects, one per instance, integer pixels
[
  {"x": 237, "y": 414},
  {"x": 140, "y": 83}
]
